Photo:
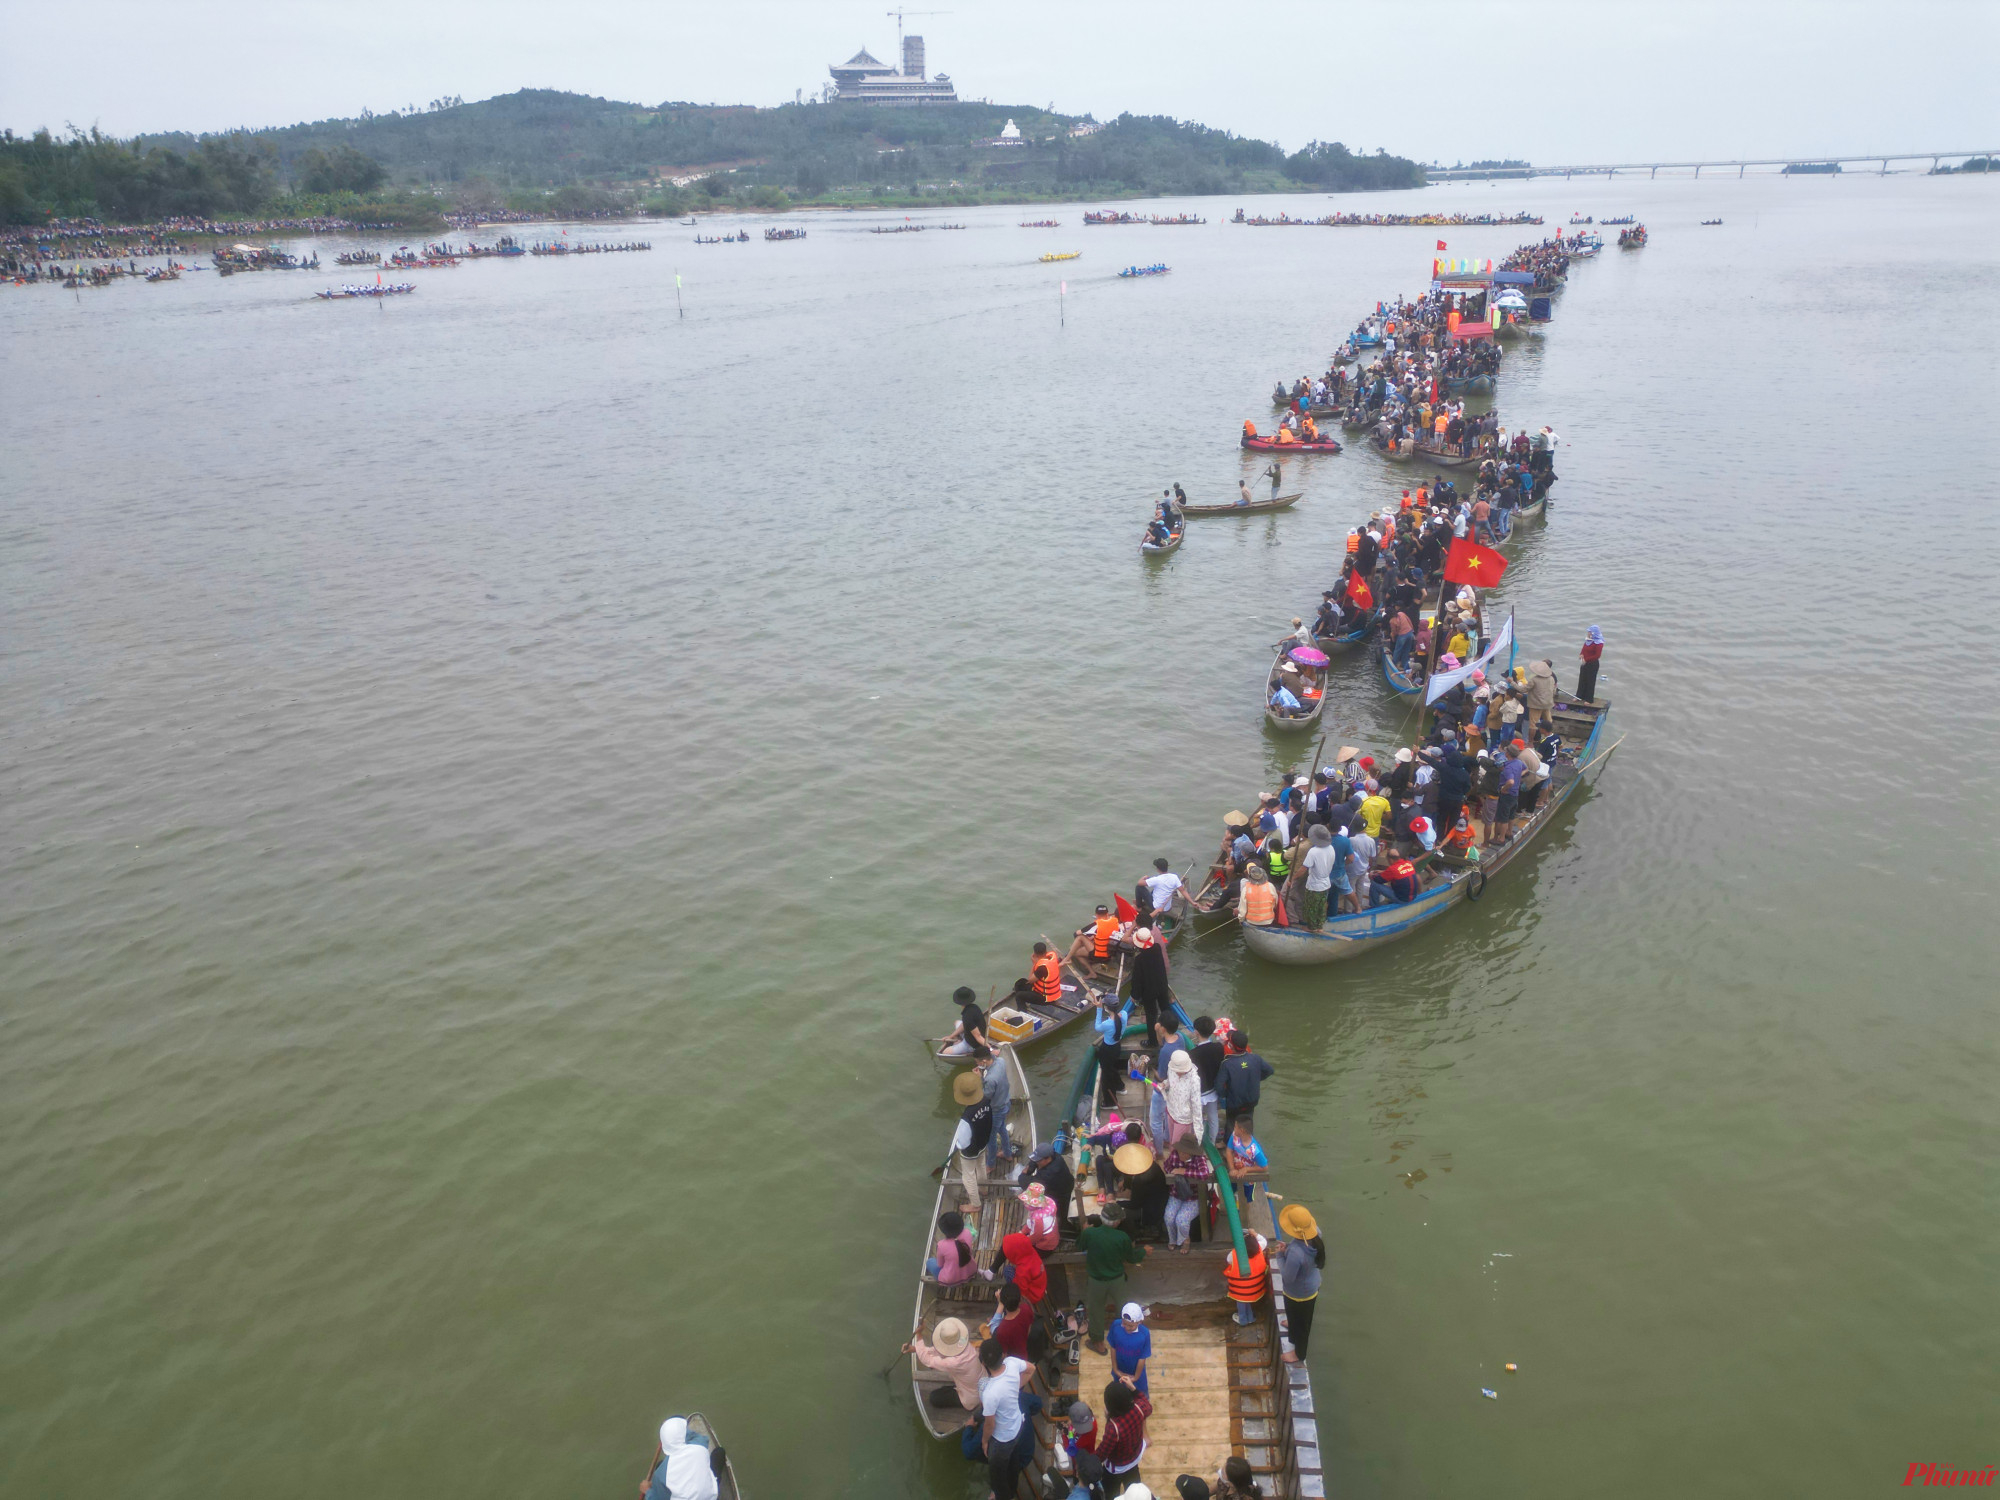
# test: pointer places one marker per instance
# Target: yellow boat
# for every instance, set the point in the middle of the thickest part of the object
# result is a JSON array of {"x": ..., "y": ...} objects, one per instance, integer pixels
[{"x": 1064, "y": 255}]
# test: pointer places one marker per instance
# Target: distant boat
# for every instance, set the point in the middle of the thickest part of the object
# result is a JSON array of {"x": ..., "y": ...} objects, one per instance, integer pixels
[
  {"x": 1063, "y": 255},
  {"x": 1707, "y": 222},
  {"x": 1158, "y": 269}
]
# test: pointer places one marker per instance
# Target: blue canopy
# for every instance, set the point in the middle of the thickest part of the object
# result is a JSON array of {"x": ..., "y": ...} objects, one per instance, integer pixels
[{"x": 1514, "y": 278}]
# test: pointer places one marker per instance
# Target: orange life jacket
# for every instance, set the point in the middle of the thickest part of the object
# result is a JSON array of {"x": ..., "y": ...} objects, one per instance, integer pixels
[
  {"x": 1353, "y": 542},
  {"x": 1047, "y": 969},
  {"x": 1101, "y": 940},
  {"x": 1246, "y": 1288},
  {"x": 1249, "y": 428},
  {"x": 1260, "y": 904}
]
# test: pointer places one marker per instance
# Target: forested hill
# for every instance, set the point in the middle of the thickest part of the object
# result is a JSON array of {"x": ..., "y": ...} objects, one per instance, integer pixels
[
  {"x": 540, "y": 138},
  {"x": 523, "y": 145}
]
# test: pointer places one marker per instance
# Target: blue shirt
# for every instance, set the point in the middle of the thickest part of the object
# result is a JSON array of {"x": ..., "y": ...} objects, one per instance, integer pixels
[
  {"x": 1283, "y": 699},
  {"x": 1129, "y": 1348},
  {"x": 1109, "y": 1027}
]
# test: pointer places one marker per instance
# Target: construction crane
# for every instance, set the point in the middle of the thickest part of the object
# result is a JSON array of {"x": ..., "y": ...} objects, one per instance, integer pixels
[{"x": 899, "y": 14}]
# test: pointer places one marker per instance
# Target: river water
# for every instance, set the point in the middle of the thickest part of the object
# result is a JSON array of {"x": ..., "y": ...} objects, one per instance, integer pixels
[{"x": 497, "y": 784}]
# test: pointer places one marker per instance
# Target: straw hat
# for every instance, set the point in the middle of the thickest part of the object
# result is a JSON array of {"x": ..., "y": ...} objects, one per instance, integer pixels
[
  {"x": 968, "y": 1088},
  {"x": 949, "y": 1337},
  {"x": 1236, "y": 818},
  {"x": 1132, "y": 1158},
  {"x": 1297, "y": 1221}
]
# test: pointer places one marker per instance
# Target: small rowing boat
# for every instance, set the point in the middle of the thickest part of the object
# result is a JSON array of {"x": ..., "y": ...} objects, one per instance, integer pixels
[
  {"x": 1307, "y": 683},
  {"x": 701, "y": 1434},
  {"x": 997, "y": 1215},
  {"x": 1262, "y": 444},
  {"x": 1154, "y": 548},
  {"x": 1245, "y": 507}
]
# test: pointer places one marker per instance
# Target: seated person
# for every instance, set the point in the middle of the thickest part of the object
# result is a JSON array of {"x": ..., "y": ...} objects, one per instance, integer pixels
[
  {"x": 687, "y": 1468},
  {"x": 1396, "y": 884}
]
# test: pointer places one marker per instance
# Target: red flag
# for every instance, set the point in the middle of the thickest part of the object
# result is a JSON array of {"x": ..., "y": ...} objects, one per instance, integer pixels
[
  {"x": 1440, "y": 244},
  {"x": 1126, "y": 910},
  {"x": 1358, "y": 592},
  {"x": 1471, "y": 563}
]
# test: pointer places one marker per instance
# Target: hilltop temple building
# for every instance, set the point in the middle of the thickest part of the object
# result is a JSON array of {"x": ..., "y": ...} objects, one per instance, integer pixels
[{"x": 863, "y": 80}]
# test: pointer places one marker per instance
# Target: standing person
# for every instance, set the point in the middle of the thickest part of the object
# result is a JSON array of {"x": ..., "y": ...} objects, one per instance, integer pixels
[
  {"x": 1274, "y": 474},
  {"x": 1165, "y": 885},
  {"x": 1301, "y": 1258},
  {"x": 975, "y": 1129},
  {"x": 1319, "y": 867},
  {"x": 1508, "y": 802},
  {"x": 1360, "y": 860},
  {"x": 1244, "y": 1153},
  {"x": 1123, "y": 1440},
  {"x": 998, "y": 1090},
  {"x": 1149, "y": 978},
  {"x": 1586, "y": 675},
  {"x": 1107, "y": 1251},
  {"x": 1001, "y": 1414},
  {"x": 1131, "y": 1346},
  {"x": 1179, "y": 1099},
  {"x": 951, "y": 1350},
  {"x": 1247, "y": 1283},
  {"x": 1541, "y": 697},
  {"x": 1171, "y": 1046},
  {"x": 1208, "y": 1055},
  {"x": 1242, "y": 1080},
  {"x": 968, "y": 1037},
  {"x": 1109, "y": 1024}
]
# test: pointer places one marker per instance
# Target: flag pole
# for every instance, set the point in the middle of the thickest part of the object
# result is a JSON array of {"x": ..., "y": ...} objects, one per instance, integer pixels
[{"x": 677, "y": 292}]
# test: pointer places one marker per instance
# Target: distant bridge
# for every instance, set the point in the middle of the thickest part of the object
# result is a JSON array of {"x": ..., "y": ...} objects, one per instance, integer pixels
[{"x": 1654, "y": 168}]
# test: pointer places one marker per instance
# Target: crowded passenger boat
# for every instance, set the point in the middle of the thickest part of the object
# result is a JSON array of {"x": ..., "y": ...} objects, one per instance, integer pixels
[{"x": 1158, "y": 268}]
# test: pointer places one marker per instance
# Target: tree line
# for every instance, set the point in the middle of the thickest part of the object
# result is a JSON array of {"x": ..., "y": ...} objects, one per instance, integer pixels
[{"x": 521, "y": 148}]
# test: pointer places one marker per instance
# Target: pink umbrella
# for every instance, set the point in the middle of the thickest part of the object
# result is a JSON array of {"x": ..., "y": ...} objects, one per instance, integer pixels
[{"x": 1310, "y": 655}]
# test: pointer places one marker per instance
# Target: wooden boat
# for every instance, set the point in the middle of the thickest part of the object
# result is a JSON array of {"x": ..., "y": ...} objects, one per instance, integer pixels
[
  {"x": 1051, "y": 1019},
  {"x": 1354, "y": 637},
  {"x": 1313, "y": 696},
  {"x": 1709, "y": 223},
  {"x": 1219, "y": 1388},
  {"x": 1251, "y": 508},
  {"x": 1160, "y": 549},
  {"x": 1532, "y": 511},
  {"x": 1399, "y": 681},
  {"x": 1152, "y": 270},
  {"x": 701, "y": 1429},
  {"x": 1445, "y": 460},
  {"x": 1063, "y": 255},
  {"x": 1261, "y": 444},
  {"x": 1456, "y": 384},
  {"x": 1447, "y": 881},
  {"x": 784, "y": 234},
  {"x": 999, "y": 1215}
]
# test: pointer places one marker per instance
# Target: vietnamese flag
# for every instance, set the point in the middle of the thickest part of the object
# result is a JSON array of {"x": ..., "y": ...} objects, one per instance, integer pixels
[
  {"x": 1468, "y": 562},
  {"x": 1126, "y": 910},
  {"x": 1358, "y": 592},
  {"x": 1440, "y": 244}
]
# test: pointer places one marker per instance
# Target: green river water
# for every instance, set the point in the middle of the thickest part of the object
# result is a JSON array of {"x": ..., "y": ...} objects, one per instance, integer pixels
[{"x": 497, "y": 784}]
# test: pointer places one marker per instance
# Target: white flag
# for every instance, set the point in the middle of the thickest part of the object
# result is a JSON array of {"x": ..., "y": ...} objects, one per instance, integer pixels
[{"x": 1444, "y": 682}]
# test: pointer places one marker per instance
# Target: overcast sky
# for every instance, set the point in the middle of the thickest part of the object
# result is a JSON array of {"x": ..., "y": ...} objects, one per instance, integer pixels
[{"x": 1549, "y": 80}]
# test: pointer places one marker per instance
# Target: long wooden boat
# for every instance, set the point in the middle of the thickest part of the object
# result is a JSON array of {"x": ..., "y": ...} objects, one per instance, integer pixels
[
  {"x": 1315, "y": 701},
  {"x": 1441, "y": 459},
  {"x": 1405, "y": 683},
  {"x": 1160, "y": 549},
  {"x": 1448, "y": 881},
  {"x": 1219, "y": 1388},
  {"x": 1262, "y": 444},
  {"x": 1533, "y": 510},
  {"x": 1242, "y": 508},
  {"x": 1354, "y": 637},
  {"x": 1468, "y": 384},
  {"x": 1052, "y": 1019},
  {"x": 702, "y": 1432},
  {"x": 1000, "y": 1214}
]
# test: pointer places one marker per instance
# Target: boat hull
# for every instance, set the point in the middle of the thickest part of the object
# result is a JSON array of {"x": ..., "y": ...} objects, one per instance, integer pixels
[
  {"x": 1268, "y": 445},
  {"x": 1283, "y": 502},
  {"x": 1346, "y": 937}
]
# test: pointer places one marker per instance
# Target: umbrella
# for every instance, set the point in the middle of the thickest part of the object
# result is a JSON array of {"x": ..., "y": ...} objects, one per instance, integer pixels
[{"x": 1311, "y": 656}]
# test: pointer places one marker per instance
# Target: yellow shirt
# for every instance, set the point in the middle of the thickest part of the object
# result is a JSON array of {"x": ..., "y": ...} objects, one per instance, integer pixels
[
  {"x": 1373, "y": 810},
  {"x": 1459, "y": 646}
]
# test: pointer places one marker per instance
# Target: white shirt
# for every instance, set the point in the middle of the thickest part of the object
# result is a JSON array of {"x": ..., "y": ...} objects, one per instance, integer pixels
[
  {"x": 1163, "y": 887},
  {"x": 1283, "y": 820},
  {"x": 1319, "y": 867},
  {"x": 1000, "y": 1399},
  {"x": 1364, "y": 851}
]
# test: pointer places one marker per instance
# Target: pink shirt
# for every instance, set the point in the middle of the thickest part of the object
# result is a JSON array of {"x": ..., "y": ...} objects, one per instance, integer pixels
[{"x": 950, "y": 1271}]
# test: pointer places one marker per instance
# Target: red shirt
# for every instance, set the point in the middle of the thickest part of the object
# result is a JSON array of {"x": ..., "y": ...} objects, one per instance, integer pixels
[
  {"x": 1124, "y": 1438},
  {"x": 1012, "y": 1334}
]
